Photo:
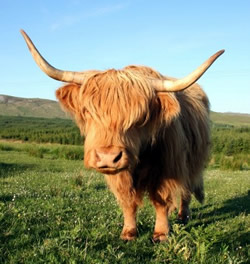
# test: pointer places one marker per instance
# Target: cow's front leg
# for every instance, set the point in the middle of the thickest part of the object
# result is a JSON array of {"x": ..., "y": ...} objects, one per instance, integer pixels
[
  {"x": 129, "y": 227},
  {"x": 122, "y": 187},
  {"x": 161, "y": 224}
]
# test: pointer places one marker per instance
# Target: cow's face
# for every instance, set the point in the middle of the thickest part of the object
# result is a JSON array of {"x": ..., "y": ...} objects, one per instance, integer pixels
[{"x": 119, "y": 113}]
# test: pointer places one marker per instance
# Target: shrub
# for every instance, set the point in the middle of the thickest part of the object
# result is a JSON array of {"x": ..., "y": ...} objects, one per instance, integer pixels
[
  {"x": 73, "y": 153},
  {"x": 37, "y": 151},
  {"x": 6, "y": 147},
  {"x": 237, "y": 162}
]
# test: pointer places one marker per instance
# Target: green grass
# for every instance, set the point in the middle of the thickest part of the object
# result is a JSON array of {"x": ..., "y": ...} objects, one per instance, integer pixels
[{"x": 52, "y": 210}]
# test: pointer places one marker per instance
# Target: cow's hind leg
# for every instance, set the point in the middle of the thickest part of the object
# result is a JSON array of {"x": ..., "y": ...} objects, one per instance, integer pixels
[
  {"x": 198, "y": 191},
  {"x": 184, "y": 211}
]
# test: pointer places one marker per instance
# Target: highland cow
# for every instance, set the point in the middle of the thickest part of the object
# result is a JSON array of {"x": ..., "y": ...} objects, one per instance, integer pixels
[{"x": 145, "y": 132}]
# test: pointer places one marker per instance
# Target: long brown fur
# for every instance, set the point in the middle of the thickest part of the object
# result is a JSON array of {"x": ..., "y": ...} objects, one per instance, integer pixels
[{"x": 165, "y": 135}]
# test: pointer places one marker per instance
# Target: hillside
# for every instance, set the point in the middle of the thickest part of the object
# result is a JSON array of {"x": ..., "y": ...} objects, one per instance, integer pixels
[
  {"x": 230, "y": 118},
  {"x": 30, "y": 107},
  {"x": 35, "y": 107}
]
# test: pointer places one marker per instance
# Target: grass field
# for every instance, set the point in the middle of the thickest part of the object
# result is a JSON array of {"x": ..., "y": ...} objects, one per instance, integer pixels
[{"x": 52, "y": 210}]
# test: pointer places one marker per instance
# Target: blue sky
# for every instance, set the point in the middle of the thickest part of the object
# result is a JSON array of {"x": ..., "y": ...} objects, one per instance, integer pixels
[{"x": 174, "y": 37}]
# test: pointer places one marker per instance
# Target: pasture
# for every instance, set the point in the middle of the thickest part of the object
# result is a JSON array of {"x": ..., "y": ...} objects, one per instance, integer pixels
[{"x": 52, "y": 210}]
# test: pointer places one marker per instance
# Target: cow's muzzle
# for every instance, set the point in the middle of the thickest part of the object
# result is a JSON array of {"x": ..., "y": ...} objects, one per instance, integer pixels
[{"x": 109, "y": 160}]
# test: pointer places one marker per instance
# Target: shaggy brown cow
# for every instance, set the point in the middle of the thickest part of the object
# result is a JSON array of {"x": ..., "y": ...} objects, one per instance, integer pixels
[{"x": 146, "y": 132}]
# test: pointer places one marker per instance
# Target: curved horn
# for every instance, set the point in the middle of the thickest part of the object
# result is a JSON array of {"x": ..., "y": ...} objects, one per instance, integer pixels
[
  {"x": 181, "y": 84},
  {"x": 64, "y": 76}
]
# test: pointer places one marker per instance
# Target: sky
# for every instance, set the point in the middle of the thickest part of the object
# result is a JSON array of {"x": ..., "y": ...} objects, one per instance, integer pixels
[{"x": 173, "y": 37}]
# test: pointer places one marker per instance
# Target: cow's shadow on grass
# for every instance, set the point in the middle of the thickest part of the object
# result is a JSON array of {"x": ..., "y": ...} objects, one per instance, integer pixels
[
  {"x": 12, "y": 169},
  {"x": 231, "y": 208},
  {"x": 6, "y": 198}
]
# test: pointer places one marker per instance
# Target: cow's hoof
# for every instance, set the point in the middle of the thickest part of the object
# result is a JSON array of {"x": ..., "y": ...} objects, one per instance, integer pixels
[
  {"x": 183, "y": 219},
  {"x": 159, "y": 237},
  {"x": 128, "y": 235}
]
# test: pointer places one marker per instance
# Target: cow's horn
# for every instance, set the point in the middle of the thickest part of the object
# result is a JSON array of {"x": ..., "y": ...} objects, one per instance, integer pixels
[
  {"x": 181, "y": 84},
  {"x": 64, "y": 76}
]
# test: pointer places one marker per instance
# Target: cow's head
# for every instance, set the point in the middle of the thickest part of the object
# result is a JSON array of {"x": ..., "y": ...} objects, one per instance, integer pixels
[{"x": 118, "y": 111}]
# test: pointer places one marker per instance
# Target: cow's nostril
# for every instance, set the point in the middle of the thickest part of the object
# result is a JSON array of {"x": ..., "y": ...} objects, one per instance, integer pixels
[
  {"x": 118, "y": 157},
  {"x": 106, "y": 158}
]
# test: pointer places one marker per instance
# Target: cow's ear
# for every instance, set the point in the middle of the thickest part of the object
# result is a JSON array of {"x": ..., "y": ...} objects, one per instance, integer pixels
[
  {"x": 68, "y": 96},
  {"x": 170, "y": 106}
]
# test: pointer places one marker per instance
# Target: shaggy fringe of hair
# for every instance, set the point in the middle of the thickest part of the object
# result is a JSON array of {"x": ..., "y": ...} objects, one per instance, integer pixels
[{"x": 107, "y": 101}]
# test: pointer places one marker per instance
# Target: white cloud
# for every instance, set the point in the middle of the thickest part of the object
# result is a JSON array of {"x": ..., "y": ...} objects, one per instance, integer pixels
[
  {"x": 70, "y": 20},
  {"x": 105, "y": 10}
]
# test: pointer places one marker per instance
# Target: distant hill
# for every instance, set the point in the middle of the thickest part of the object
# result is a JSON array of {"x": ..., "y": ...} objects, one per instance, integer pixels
[
  {"x": 32, "y": 107},
  {"x": 230, "y": 118},
  {"x": 35, "y": 107}
]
